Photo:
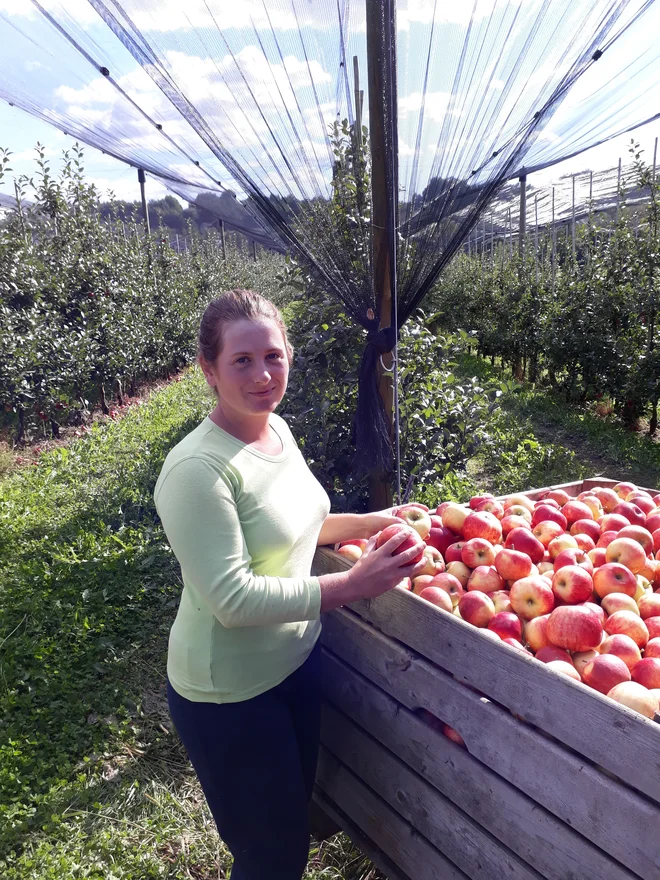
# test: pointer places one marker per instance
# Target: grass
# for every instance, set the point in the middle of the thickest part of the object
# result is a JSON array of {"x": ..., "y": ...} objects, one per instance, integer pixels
[{"x": 93, "y": 781}]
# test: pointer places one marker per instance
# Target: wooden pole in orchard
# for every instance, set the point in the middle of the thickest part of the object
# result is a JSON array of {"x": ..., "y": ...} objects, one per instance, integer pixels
[
  {"x": 522, "y": 220},
  {"x": 145, "y": 210}
]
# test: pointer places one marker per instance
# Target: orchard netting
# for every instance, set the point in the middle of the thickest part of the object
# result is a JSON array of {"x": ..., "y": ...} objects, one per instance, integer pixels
[{"x": 256, "y": 104}]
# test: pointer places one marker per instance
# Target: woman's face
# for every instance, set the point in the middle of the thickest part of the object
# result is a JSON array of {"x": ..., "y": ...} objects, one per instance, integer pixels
[{"x": 251, "y": 372}]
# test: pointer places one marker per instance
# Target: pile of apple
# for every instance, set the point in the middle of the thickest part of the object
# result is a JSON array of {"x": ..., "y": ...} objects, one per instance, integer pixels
[{"x": 574, "y": 582}]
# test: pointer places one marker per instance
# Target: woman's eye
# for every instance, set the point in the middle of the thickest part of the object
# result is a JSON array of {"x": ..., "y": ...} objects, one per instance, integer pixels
[
  {"x": 241, "y": 360},
  {"x": 275, "y": 355}
]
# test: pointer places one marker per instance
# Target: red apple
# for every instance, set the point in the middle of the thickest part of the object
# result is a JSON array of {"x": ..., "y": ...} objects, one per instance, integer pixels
[
  {"x": 476, "y": 500},
  {"x": 604, "y": 672},
  {"x": 575, "y": 510},
  {"x": 652, "y": 524},
  {"x": 649, "y": 605},
  {"x": 652, "y": 648},
  {"x": 440, "y": 537},
  {"x": 546, "y": 532},
  {"x": 453, "y": 735},
  {"x": 514, "y": 522},
  {"x": 477, "y": 551},
  {"x": 476, "y": 608},
  {"x": 491, "y": 506},
  {"x": 612, "y": 522},
  {"x": 627, "y": 624},
  {"x": 524, "y": 541},
  {"x": 357, "y": 542},
  {"x": 653, "y": 626},
  {"x": 636, "y": 697},
  {"x": 501, "y": 600},
  {"x": 534, "y": 632},
  {"x": 512, "y": 565},
  {"x": 453, "y": 516},
  {"x": 622, "y": 646},
  {"x": 421, "y": 582},
  {"x": 545, "y": 513},
  {"x": 573, "y": 584},
  {"x": 581, "y": 658},
  {"x": 460, "y": 571},
  {"x": 531, "y": 596},
  {"x": 632, "y": 513},
  {"x": 606, "y": 539},
  {"x": 549, "y": 652},
  {"x": 558, "y": 495},
  {"x": 574, "y": 556},
  {"x": 592, "y": 503},
  {"x": 437, "y": 596},
  {"x": 656, "y": 694},
  {"x": 585, "y": 543},
  {"x": 454, "y": 553},
  {"x": 416, "y": 518},
  {"x": 598, "y": 556},
  {"x": 638, "y": 533},
  {"x": 450, "y": 584},
  {"x": 627, "y": 552},
  {"x": 519, "y": 510},
  {"x": 518, "y": 501},
  {"x": 435, "y": 564},
  {"x": 614, "y": 578},
  {"x": 550, "y": 501},
  {"x": 598, "y": 611},
  {"x": 482, "y": 525},
  {"x": 560, "y": 543},
  {"x": 624, "y": 489},
  {"x": 506, "y": 624},
  {"x": 614, "y": 602},
  {"x": 413, "y": 540},
  {"x": 486, "y": 579},
  {"x": 350, "y": 552},
  {"x": 574, "y": 627},
  {"x": 586, "y": 527},
  {"x": 514, "y": 643},
  {"x": 647, "y": 672},
  {"x": 643, "y": 500},
  {"x": 565, "y": 669},
  {"x": 607, "y": 497}
]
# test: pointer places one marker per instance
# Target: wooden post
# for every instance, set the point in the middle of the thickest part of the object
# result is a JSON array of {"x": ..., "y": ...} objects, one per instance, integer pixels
[
  {"x": 254, "y": 251},
  {"x": 522, "y": 220},
  {"x": 145, "y": 210},
  {"x": 573, "y": 219},
  {"x": 492, "y": 241},
  {"x": 536, "y": 237},
  {"x": 221, "y": 227},
  {"x": 618, "y": 193},
  {"x": 382, "y": 102},
  {"x": 554, "y": 242}
]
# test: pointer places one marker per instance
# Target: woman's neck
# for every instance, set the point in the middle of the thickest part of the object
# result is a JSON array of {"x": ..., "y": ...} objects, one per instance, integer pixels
[{"x": 252, "y": 430}]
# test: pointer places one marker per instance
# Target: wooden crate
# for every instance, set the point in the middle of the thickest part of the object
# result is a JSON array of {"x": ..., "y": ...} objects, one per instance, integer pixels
[{"x": 557, "y": 781}]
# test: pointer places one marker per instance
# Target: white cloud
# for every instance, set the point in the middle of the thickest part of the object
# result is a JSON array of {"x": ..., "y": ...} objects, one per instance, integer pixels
[
  {"x": 80, "y": 11},
  {"x": 436, "y": 105}
]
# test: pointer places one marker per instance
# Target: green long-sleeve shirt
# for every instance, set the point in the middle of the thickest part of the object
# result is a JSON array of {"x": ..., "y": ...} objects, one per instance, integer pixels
[{"x": 243, "y": 526}]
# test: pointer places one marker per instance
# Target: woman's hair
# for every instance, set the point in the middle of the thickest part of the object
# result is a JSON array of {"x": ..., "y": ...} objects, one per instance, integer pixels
[{"x": 235, "y": 305}]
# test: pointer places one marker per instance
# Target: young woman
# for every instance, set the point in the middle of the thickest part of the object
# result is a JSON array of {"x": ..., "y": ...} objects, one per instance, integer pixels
[{"x": 243, "y": 515}]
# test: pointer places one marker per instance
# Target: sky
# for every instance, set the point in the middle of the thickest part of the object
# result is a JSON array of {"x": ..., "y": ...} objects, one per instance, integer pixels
[{"x": 258, "y": 88}]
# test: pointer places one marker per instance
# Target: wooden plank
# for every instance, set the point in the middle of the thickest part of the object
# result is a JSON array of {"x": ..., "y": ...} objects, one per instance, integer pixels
[
  {"x": 321, "y": 825},
  {"x": 545, "y": 842},
  {"x": 358, "y": 837},
  {"x": 398, "y": 840},
  {"x": 472, "y": 849},
  {"x": 611, "y": 735},
  {"x": 615, "y": 818},
  {"x": 574, "y": 488}
]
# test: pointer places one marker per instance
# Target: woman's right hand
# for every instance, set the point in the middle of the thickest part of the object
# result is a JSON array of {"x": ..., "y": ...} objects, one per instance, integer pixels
[{"x": 377, "y": 570}]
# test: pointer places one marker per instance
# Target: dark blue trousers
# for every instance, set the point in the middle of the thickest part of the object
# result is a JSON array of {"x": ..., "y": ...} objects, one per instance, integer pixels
[{"x": 256, "y": 762}]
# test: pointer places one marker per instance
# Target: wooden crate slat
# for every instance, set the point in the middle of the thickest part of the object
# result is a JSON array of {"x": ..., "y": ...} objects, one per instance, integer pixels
[
  {"x": 612, "y": 816},
  {"x": 545, "y": 842},
  {"x": 359, "y": 838},
  {"x": 472, "y": 849},
  {"x": 398, "y": 840}
]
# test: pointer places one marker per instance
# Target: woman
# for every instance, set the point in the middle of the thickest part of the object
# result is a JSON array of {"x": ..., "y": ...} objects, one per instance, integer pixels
[{"x": 243, "y": 515}]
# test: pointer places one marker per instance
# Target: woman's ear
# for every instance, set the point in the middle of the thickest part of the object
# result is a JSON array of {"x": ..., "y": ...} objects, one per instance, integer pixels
[{"x": 207, "y": 369}]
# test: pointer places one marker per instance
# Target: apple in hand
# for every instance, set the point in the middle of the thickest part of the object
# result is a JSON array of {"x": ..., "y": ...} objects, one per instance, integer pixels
[
  {"x": 574, "y": 627},
  {"x": 604, "y": 672},
  {"x": 476, "y": 608},
  {"x": 416, "y": 518},
  {"x": 572, "y": 584},
  {"x": 413, "y": 540},
  {"x": 531, "y": 596},
  {"x": 634, "y": 696},
  {"x": 524, "y": 541}
]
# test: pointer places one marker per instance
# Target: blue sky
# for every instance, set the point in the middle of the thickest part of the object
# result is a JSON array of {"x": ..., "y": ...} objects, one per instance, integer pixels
[{"x": 58, "y": 78}]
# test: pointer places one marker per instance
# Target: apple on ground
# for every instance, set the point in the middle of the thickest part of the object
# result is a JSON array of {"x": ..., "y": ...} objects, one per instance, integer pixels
[
  {"x": 350, "y": 552},
  {"x": 486, "y": 579},
  {"x": 572, "y": 583},
  {"x": 626, "y": 623},
  {"x": 551, "y": 652},
  {"x": 513, "y": 565},
  {"x": 574, "y": 556},
  {"x": 453, "y": 516},
  {"x": 652, "y": 648},
  {"x": 647, "y": 672},
  {"x": 524, "y": 541},
  {"x": 614, "y": 602},
  {"x": 622, "y": 646},
  {"x": 531, "y": 596},
  {"x": 604, "y": 672},
  {"x": 514, "y": 522},
  {"x": 476, "y": 608},
  {"x": 574, "y": 627},
  {"x": 501, "y": 600},
  {"x": 437, "y": 596},
  {"x": 627, "y": 552},
  {"x": 649, "y": 605},
  {"x": 560, "y": 543},
  {"x": 477, "y": 551},
  {"x": 482, "y": 525},
  {"x": 565, "y": 669},
  {"x": 581, "y": 658},
  {"x": 506, "y": 624},
  {"x": 534, "y": 632},
  {"x": 614, "y": 578},
  {"x": 586, "y": 527},
  {"x": 412, "y": 540},
  {"x": 636, "y": 697}
]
